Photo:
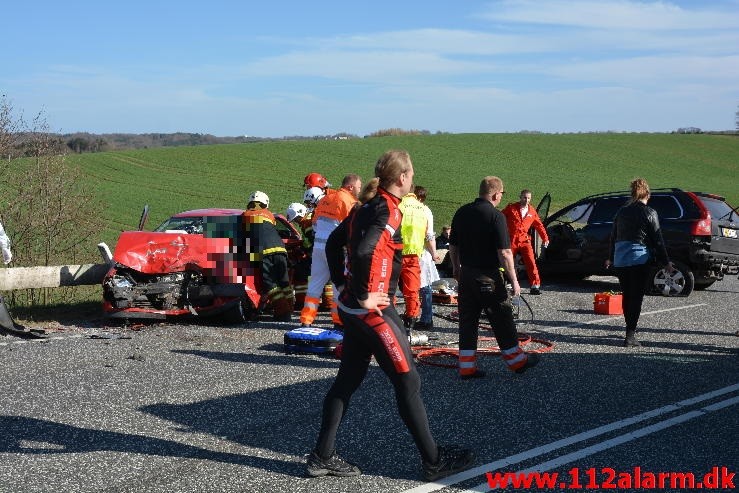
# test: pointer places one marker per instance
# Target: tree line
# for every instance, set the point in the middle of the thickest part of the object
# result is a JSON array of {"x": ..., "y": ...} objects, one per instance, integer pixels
[{"x": 87, "y": 142}]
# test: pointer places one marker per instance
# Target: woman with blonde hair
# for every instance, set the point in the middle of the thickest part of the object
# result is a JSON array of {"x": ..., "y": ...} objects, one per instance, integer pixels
[
  {"x": 367, "y": 278},
  {"x": 636, "y": 243}
]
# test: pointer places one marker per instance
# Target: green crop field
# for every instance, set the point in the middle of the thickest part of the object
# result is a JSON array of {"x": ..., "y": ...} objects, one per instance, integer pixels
[{"x": 568, "y": 166}]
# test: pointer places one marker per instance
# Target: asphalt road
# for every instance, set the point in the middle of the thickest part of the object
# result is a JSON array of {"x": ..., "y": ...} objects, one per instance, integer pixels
[{"x": 193, "y": 408}]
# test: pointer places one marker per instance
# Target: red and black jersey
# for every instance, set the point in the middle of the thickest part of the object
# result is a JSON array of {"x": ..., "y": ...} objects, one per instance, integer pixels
[{"x": 371, "y": 235}]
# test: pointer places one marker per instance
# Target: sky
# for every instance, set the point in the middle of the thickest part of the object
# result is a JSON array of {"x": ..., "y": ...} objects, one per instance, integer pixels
[{"x": 288, "y": 68}]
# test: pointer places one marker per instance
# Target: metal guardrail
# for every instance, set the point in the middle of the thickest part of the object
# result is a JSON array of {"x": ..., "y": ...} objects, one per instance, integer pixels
[{"x": 56, "y": 276}]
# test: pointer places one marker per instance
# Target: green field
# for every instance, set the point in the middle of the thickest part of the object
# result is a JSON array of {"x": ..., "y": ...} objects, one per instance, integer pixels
[{"x": 568, "y": 166}]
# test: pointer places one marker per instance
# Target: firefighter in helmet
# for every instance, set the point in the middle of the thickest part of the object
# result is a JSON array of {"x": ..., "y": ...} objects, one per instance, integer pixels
[{"x": 267, "y": 251}]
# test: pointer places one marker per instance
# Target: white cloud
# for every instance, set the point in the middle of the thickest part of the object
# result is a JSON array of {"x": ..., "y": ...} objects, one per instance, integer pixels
[
  {"x": 616, "y": 14},
  {"x": 662, "y": 70},
  {"x": 372, "y": 66},
  {"x": 437, "y": 41}
]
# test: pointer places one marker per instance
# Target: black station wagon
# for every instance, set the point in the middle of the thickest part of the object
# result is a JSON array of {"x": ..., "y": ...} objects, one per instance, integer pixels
[{"x": 701, "y": 232}]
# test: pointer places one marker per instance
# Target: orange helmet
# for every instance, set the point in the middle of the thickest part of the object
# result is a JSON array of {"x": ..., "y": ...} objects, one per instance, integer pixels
[{"x": 316, "y": 180}]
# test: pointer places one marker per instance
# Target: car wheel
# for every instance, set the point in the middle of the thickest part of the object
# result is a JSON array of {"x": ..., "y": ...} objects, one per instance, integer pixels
[{"x": 678, "y": 283}]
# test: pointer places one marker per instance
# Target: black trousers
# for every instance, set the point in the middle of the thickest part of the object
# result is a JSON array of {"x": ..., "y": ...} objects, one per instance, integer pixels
[
  {"x": 633, "y": 281},
  {"x": 499, "y": 310},
  {"x": 385, "y": 338},
  {"x": 275, "y": 271}
]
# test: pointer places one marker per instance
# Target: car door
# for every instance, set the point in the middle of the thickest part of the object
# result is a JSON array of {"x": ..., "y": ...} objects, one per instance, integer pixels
[
  {"x": 564, "y": 254},
  {"x": 543, "y": 210},
  {"x": 596, "y": 234}
]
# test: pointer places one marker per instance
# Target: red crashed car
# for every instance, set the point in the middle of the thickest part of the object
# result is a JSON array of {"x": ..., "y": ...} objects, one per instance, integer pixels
[{"x": 192, "y": 264}]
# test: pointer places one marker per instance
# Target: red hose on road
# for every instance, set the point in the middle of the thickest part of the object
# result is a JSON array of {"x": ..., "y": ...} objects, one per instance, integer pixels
[{"x": 426, "y": 355}]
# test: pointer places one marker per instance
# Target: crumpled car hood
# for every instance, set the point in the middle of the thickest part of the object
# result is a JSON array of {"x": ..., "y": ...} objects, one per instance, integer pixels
[{"x": 158, "y": 253}]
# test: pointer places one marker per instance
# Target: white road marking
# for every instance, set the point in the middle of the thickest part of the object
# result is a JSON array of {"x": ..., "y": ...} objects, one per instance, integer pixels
[
  {"x": 586, "y": 435},
  {"x": 616, "y": 441},
  {"x": 599, "y": 320}
]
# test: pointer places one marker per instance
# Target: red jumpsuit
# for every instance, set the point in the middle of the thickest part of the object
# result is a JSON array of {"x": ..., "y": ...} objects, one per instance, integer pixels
[{"x": 518, "y": 230}]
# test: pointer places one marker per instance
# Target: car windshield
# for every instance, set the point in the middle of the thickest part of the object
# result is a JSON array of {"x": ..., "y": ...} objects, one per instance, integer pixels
[
  {"x": 719, "y": 209},
  {"x": 190, "y": 225}
]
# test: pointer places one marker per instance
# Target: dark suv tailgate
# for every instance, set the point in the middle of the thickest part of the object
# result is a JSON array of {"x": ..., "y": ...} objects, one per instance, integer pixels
[
  {"x": 725, "y": 237},
  {"x": 724, "y": 226}
]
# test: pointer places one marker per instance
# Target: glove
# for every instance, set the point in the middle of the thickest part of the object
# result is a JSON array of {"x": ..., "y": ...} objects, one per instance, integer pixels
[
  {"x": 7, "y": 256},
  {"x": 546, "y": 244}
]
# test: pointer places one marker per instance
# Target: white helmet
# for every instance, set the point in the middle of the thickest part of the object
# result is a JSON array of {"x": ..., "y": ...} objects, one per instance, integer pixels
[
  {"x": 312, "y": 196},
  {"x": 295, "y": 210},
  {"x": 259, "y": 197}
]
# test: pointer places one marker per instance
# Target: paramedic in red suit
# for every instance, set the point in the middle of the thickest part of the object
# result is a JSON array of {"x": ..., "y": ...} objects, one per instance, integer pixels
[
  {"x": 372, "y": 326},
  {"x": 521, "y": 217}
]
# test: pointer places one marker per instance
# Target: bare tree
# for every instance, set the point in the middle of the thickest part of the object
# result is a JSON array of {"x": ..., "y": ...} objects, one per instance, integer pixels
[
  {"x": 48, "y": 212},
  {"x": 8, "y": 128}
]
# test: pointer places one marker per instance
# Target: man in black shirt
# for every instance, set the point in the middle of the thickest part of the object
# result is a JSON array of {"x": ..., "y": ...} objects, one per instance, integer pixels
[{"x": 480, "y": 251}]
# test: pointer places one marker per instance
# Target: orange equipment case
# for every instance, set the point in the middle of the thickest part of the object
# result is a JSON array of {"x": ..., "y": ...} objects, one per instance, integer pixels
[{"x": 608, "y": 303}]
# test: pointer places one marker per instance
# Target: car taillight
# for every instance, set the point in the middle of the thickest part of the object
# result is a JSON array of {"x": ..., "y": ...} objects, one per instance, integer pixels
[{"x": 702, "y": 226}]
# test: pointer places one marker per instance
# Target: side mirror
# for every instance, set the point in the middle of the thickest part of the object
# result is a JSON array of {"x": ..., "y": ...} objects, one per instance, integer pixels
[{"x": 144, "y": 217}]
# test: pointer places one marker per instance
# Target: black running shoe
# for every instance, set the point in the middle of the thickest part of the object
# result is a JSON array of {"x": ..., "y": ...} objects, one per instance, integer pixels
[
  {"x": 451, "y": 460},
  {"x": 333, "y": 466}
]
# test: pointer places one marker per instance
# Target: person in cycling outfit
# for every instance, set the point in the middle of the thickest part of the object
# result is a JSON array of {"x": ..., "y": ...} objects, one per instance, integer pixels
[{"x": 372, "y": 326}]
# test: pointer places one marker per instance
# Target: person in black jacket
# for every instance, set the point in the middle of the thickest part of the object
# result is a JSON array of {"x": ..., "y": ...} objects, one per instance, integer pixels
[
  {"x": 480, "y": 251},
  {"x": 635, "y": 240},
  {"x": 370, "y": 236}
]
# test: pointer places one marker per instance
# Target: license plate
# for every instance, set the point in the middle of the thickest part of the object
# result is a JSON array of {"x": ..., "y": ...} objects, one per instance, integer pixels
[{"x": 728, "y": 232}]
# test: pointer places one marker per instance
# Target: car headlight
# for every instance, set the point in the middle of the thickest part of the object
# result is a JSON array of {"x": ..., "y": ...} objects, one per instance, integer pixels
[
  {"x": 120, "y": 282},
  {"x": 173, "y": 278}
]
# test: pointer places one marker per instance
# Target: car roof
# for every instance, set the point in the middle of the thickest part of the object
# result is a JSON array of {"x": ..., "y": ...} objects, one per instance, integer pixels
[
  {"x": 654, "y": 191},
  {"x": 210, "y": 212}
]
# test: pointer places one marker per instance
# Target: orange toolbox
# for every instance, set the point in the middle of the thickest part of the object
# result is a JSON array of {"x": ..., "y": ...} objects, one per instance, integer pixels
[{"x": 608, "y": 303}]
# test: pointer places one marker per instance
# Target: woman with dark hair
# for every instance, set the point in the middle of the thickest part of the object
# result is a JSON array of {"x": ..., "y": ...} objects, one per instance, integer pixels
[
  {"x": 372, "y": 326},
  {"x": 636, "y": 240}
]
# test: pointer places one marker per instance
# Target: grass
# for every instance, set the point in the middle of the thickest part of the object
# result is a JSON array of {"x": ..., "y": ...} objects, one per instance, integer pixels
[{"x": 569, "y": 166}]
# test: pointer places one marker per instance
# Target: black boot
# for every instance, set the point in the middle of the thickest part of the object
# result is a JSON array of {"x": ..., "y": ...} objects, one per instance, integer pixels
[{"x": 630, "y": 340}]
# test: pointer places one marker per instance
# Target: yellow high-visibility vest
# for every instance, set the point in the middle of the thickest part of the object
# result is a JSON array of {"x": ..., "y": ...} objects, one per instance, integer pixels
[{"x": 414, "y": 224}]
